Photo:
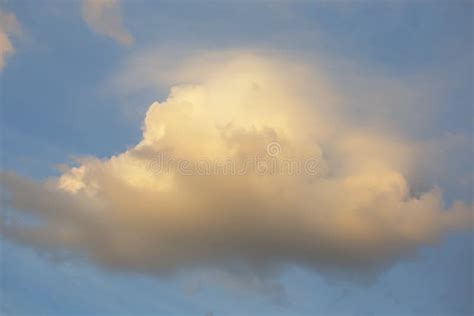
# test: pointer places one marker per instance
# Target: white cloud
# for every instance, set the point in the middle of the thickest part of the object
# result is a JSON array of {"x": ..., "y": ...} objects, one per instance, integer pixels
[
  {"x": 104, "y": 17},
  {"x": 128, "y": 212},
  {"x": 8, "y": 26}
]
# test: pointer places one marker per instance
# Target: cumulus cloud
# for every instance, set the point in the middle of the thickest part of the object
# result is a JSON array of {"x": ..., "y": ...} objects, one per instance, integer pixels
[
  {"x": 9, "y": 27},
  {"x": 104, "y": 17},
  {"x": 153, "y": 209}
]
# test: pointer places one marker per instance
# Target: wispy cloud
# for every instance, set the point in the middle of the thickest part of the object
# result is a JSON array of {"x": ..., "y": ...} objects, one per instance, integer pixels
[
  {"x": 9, "y": 27},
  {"x": 358, "y": 214},
  {"x": 104, "y": 17}
]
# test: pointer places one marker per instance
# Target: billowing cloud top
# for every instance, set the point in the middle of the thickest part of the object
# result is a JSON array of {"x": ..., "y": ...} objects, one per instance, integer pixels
[
  {"x": 8, "y": 26},
  {"x": 104, "y": 17},
  {"x": 201, "y": 187}
]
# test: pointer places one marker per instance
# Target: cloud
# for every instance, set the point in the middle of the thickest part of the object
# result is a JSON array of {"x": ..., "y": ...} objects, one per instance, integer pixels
[
  {"x": 8, "y": 26},
  {"x": 165, "y": 205},
  {"x": 104, "y": 17}
]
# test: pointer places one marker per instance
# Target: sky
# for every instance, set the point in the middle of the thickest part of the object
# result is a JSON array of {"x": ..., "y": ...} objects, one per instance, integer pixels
[{"x": 236, "y": 157}]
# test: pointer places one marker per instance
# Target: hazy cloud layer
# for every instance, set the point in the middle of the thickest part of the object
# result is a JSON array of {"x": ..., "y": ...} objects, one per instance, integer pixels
[
  {"x": 357, "y": 212},
  {"x": 9, "y": 27},
  {"x": 104, "y": 17}
]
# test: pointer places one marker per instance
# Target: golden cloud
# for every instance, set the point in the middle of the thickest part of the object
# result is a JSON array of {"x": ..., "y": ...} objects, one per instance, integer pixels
[{"x": 356, "y": 213}]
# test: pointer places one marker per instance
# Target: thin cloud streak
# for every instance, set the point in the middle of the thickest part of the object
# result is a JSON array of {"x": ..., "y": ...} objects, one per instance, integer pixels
[
  {"x": 104, "y": 17},
  {"x": 9, "y": 27}
]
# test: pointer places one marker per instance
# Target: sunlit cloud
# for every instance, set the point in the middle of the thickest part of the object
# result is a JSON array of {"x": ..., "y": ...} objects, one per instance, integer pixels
[
  {"x": 358, "y": 212},
  {"x": 9, "y": 27},
  {"x": 104, "y": 17}
]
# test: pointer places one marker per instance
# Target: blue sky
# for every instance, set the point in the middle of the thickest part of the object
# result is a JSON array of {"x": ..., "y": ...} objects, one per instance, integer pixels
[{"x": 64, "y": 93}]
